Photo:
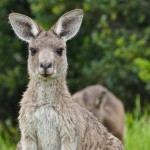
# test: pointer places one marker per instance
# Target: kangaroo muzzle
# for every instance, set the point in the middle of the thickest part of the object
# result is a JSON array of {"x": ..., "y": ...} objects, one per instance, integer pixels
[{"x": 46, "y": 66}]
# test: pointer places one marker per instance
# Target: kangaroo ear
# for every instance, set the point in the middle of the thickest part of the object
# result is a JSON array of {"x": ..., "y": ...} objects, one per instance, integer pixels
[
  {"x": 24, "y": 27},
  {"x": 68, "y": 25},
  {"x": 100, "y": 99}
]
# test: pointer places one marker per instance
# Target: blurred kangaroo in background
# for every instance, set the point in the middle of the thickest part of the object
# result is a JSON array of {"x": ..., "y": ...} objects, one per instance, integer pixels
[
  {"x": 108, "y": 109},
  {"x": 49, "y": 119}
]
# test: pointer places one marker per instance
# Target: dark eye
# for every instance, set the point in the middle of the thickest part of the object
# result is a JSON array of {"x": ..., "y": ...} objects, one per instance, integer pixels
[
  {"x": 33, "y": 51},
  {"x": 59, "y": 51}
]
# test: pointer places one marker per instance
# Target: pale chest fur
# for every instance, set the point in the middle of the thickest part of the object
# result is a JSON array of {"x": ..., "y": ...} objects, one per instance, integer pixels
[{"x": 46, "y": 124}]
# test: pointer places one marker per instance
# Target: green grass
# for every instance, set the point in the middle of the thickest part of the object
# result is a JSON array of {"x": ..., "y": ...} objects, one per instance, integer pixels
[
  {"x": 8, "y": 136},
  {"x": 137, "y": 132},
  {"x": 138, "y": 129}
]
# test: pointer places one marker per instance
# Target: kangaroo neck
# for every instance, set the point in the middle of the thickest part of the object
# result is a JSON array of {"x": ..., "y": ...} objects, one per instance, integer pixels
[{"x": 50, "y": 92}]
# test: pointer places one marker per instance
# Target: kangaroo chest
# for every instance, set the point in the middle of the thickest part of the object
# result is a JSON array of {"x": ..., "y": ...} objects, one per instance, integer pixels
[
  {"x": 48, "y": 119},
  {"x": 46, "y": 127}
]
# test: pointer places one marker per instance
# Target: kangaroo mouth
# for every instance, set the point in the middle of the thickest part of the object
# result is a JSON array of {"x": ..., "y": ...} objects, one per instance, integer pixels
[{"x": 45, "y": 75}]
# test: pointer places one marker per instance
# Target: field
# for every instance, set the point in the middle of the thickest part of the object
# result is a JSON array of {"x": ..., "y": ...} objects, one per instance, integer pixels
[
  {"x": 137, "y": 132},
  {"x": 138, "y": 129}
]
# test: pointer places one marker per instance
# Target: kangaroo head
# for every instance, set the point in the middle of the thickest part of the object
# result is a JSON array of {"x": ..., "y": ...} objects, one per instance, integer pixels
[{"x": 47, "y": 49}]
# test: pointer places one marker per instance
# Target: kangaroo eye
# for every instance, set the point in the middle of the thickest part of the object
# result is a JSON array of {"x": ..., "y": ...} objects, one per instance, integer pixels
[
  {"x": 33, "y": 51},
  {"x": 59, "y": 51}
]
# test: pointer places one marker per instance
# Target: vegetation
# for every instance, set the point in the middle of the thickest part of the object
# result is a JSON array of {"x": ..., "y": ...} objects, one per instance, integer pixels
[
  {"x": 8, "y": 136},
  {"x": 137, "y": 132},
  {"x": 138, "y": 128}
]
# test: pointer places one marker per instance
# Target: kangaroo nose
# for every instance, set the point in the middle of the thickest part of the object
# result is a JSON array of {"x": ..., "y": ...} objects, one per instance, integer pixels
[{"x": 45, "y": 66}]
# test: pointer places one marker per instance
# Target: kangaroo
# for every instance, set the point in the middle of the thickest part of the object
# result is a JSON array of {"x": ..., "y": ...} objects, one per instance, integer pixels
[
  {"x": 49, "y": 119},
  {"x": 107, "y": 108}
]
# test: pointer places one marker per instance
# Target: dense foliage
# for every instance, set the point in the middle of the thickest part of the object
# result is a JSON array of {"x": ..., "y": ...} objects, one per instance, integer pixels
[{"x": 112, "y": 48}]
